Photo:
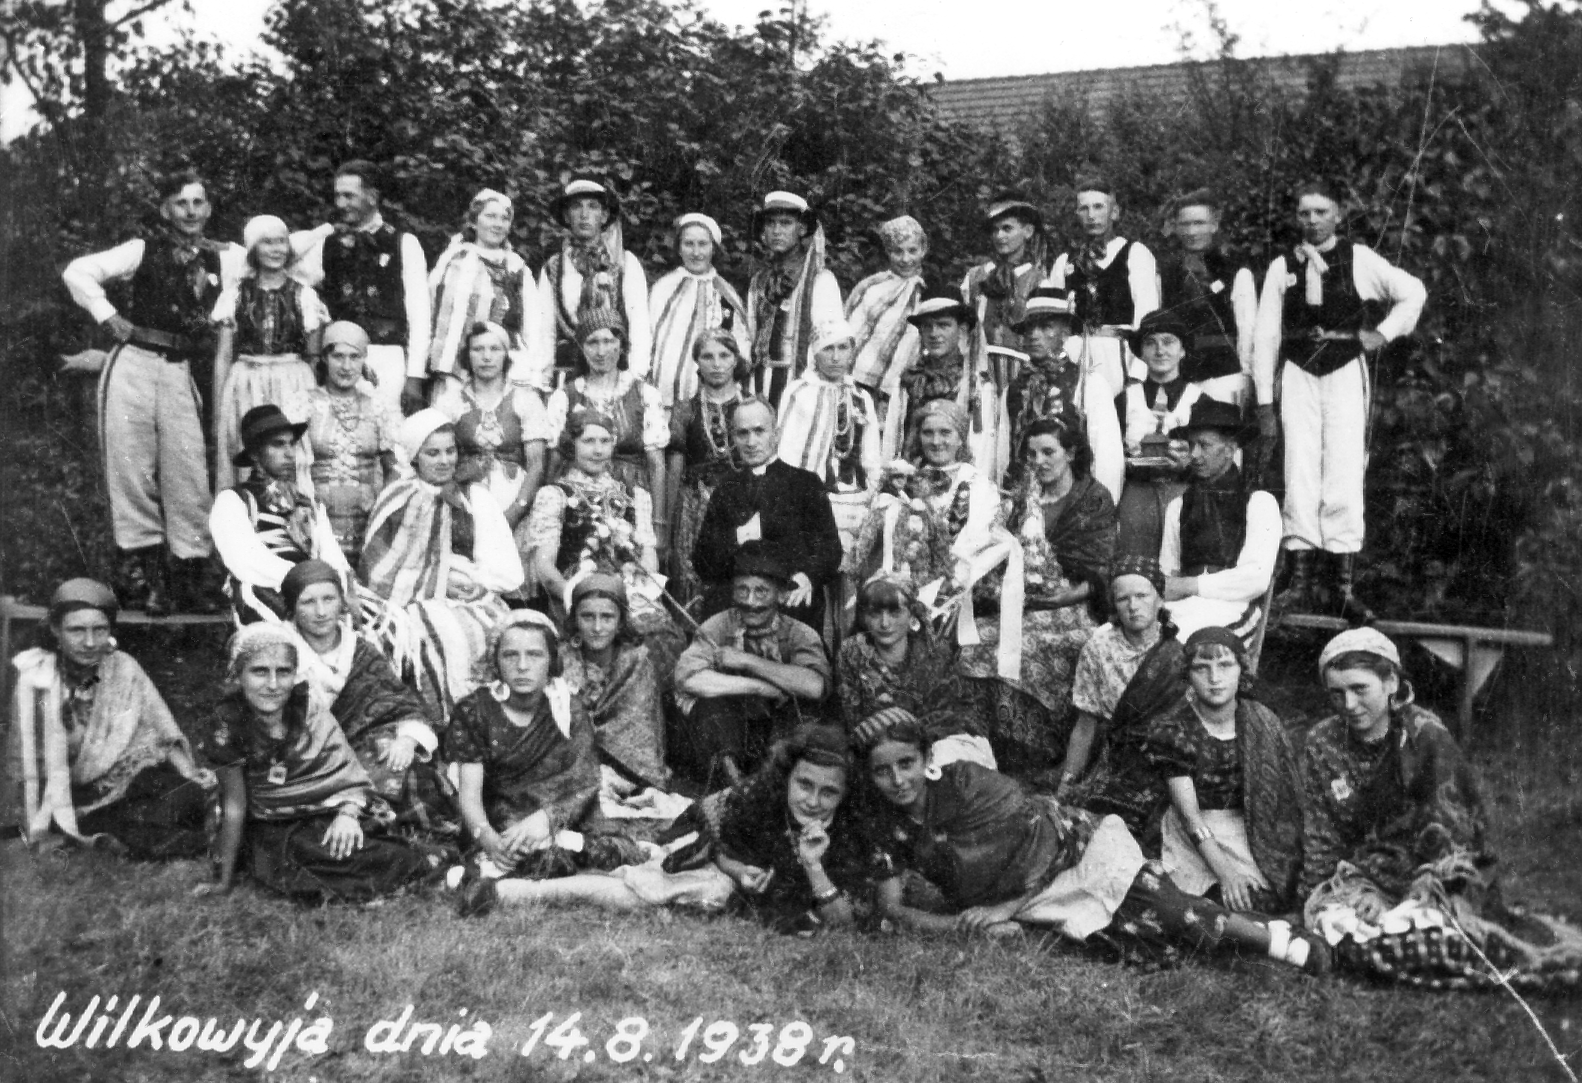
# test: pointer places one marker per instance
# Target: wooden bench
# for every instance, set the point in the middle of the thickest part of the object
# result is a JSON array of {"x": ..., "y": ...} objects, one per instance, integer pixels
[{"x": 1473, "y": 651}]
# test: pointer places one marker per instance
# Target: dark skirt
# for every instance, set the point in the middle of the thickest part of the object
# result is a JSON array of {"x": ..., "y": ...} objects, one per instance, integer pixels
[
  {"x": 161, "y": 816},
  {"x": 290, "y": 857}
]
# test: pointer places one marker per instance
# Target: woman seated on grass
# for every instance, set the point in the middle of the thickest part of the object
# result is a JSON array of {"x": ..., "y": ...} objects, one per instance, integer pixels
[
  {"x": 383, "y": 719},
  {"x": 96, "y": 751},
  {"x": 1234, "y": 827},
  {"x": 1395, "y": 867},
  {"x": 528, "y": 771},
  {"x": 297, "y": 806},
  {"x": 1004, "y": 858}
]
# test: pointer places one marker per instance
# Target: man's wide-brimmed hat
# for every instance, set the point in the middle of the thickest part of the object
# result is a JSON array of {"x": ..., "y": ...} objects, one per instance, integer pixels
[
  {"x": 784, "y": 203},
  {"x": 581, "y": 185},
  {"x": 1016, "y": 203},
  {"x": 1225, "y": 417},
  {"x": 1046, "y": 303},
  {"x": 1159, "y": 323},
  {"x": 258, "y": 425},
  {"x": 943, "y": 301},
  {"x": 756, "y": 558}
]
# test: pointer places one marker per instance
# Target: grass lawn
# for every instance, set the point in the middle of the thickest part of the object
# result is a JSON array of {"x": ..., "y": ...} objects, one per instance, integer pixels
[{"x": 89, "y": 925}]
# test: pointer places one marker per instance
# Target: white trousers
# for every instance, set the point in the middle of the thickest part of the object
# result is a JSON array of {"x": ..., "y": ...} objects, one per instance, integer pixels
[
  {"x": 155, "y": 463},
  {"x": 1106, "y": 359},
  {"x": 1326, "y": 456}
]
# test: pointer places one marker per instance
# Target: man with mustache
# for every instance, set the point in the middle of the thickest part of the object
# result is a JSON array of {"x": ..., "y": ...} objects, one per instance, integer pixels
[{"x": 750, "y": 675}]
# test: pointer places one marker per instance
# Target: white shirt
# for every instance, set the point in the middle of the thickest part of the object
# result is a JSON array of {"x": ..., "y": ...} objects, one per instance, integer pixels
[
  {"x": 1142, "y": 272},
  {"x": 86, "y": 276},
  {"x": 247, "y": 557}
]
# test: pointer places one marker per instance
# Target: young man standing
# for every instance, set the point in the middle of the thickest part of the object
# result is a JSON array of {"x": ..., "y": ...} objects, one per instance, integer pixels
[
  {"x": 750, "y": 675},
  {"x": 998, "y": 289},
  {"x": 592, "y": 271},
  {"x": 150, "y": 409},
  {"x": 1313, "y": 334},
  {"x": 369, "y": 273},
  {"x": 790, "y": 295},
  {"x": 1214, "y": 294}
]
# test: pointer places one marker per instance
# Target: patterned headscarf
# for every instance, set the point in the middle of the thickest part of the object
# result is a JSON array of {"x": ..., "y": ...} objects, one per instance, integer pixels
[
  {"x": 1366, "y": 640},
  {"x": 897, "y": 231},
  {"x": 1133, "y": 564},
  {"x": 251, "y": 640},
  {"x": 952, "y": 412}
]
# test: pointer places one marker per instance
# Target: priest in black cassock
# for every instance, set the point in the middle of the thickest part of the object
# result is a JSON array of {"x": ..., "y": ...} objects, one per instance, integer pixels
[{"x": 780, "y": 504}]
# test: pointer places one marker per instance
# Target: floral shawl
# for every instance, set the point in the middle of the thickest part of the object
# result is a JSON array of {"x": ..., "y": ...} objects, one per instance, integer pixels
[
  {"x": 527, "y": 768},
  {"x": 129, "y": 729},
  {"x": 623, "y": 705}
]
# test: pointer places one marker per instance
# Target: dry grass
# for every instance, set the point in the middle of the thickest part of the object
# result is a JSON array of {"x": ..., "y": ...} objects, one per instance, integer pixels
[{"x": 917, "y": 1010}]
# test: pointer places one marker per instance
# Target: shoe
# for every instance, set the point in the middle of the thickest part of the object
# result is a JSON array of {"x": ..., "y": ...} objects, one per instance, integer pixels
[
  {"x": 477, "y": 894},
  {"x": 1320, "y": 956},
  {"x": 156, "y": 589},
  {"x": 1343, "y": 601},
  {"x": 194, "y": 590},
  {"x": 1297, "y": 597}
]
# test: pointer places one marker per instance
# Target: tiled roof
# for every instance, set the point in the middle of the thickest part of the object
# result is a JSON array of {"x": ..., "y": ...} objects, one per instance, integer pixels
[{"x": 1006, "y": 102}]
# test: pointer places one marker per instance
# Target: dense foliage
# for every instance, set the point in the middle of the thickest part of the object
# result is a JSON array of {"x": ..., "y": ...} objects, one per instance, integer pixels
[{"x": 1468, "y": 182}]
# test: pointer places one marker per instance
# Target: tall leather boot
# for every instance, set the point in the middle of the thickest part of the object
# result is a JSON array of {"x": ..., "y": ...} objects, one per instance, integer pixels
[
  {"x": 1297, "y": 597},
  {"x": 156, "y": 597},
  {"x": 195, "y": 589},
  {"x": 1344, "y": 602}
]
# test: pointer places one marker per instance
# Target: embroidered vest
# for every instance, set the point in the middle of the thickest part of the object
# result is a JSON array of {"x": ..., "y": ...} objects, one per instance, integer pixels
[
  {"x": 269, "y": 321},
  {"x": 362, "y": 283},
  {"x": 1342, "y": 310},
  {"x": 166, "y": 291},
  {"x": 626, "y": 412},
  {"x": 1204, "y": 305},
  {"x": 1213, "y": 523},
  {"x": 1105, "y": 297}
]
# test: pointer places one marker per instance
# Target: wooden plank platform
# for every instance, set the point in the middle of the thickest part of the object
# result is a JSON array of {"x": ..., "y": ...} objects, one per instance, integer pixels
[{"x": 1474, "y": 651}]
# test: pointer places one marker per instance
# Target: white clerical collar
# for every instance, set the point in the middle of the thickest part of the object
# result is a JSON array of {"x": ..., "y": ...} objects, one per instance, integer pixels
[{"x": 758, "y": 471}]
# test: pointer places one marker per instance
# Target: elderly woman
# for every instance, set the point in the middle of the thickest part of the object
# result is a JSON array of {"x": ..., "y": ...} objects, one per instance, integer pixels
[
  {"x": 440, "y": 554},
  {"x": 1130, "y": 671},
  {"x": 878, "y": 308},
  {"x": 296, "y": 805},
  {"x": 351, "y": 437},
  {"x": 1395, "y": 864},
  {"x": 269, "y": 328},
  {"x": 479, "y": 279},
  {"x": 701, "y": 451},
  {"x": 501, "y": 428},
  {"x": 267, "y": 523},
  {"x": 618, "y": 679},
  {"x": 689, "y": 303},
  {"x": 1004, "y": 859},
  {"x": 589, "y": 521},
  {"x": 1064, "y": 521},
  {"x": 96, "y": 751},
  {"x": 604, "y": 387},
  {"x": 384, "y": 720},
  {"x": 1235, "y": 821},
  {"x": 894, "y": 661}
]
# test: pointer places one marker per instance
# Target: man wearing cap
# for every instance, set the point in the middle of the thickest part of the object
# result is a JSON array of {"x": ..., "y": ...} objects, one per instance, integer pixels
[
  {"x": 997, "y": 289},
  {"x": 790, "y": 295},
  {"x": 265, "y": 525},
  {"x": 1221, "y": 539},
  {"x": 592, "y": 270},
  {"x": 1050, "y": 384},
  {"x": 1214, "y": 295},
  {"x": 1112, "y": 280},
  {"x": 780, "y": 505},
  {"x": 1313, "y": 332},
  {"x": 750, "y": 675},
  {"x": 151, "y": 409},
  {"x": 947, "y": 369},
  {"x": 369, "y": 273}
]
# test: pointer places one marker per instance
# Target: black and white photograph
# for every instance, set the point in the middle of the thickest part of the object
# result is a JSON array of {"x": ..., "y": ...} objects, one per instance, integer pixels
[{"x": 621, "y": 540}]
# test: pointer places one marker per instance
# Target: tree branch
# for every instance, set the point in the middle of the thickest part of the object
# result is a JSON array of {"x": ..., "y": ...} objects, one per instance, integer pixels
[{"x": 138, "y": 13}]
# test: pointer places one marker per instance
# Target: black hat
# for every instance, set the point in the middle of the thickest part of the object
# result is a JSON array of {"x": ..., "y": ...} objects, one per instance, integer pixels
[
  {"x": 943, "y": 301},
  {"x": 258, "y": 425},
  {"x": 756, "y": 558},
  {"x": 784, "y": 203},
  {"x": 581, "y": 185},
  {"x": 1159, "y": 323},
  {"x": 1004, "y": 203},
  {"x": 1225, "y": 417},
  {"x": 1045, "y": 303}
]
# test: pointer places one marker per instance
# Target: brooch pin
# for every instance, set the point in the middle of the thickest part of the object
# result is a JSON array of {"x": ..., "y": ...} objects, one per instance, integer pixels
[
  {"x": 1340, "y": 788},
  {"x": 1290, "y": 280},
  {"x": 1217, "y": 286},
  {"x": 384, "y": 259},
  {"x": 277, "y": 774}
]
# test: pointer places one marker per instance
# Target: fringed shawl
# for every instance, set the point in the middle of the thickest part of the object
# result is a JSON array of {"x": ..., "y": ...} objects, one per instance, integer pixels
[
  {"x": 623, "y": 705},
  {"x": 887, "y": 344},
  {"x": 692, "y": 304},
  {"x": 1271, "y": 796},
  {"x": 766, "y": 299},
  {"x": 129, "y": 729},
  {"x": 407, "y": 553},
  {"x": 469, "y": 287}
]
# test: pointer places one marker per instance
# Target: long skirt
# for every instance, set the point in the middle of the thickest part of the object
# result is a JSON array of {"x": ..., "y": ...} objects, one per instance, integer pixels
[
  {"x": 1032, "y": 715},
  {"x": 289, "y": 856},
  {"x": 689, "y": 521},
  {"x": 161, "y": 816},
  {"x": 283, "y": 380}
]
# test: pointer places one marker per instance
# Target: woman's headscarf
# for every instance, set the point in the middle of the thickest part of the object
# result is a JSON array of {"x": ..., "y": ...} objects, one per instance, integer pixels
[
  {"x": 897, "y": 231},
  {"x": 82, "y": 593},
  {"x": 304, "y": 575},
  {"x": 600, "y": 585},
  {"x": 415, "y": 430},
  {"x": 491, "y": 329},
  {"x": 953, "y": 413},
  {"x": 709, "y": 224},
  {"x": 600, "y": 318},
  {"x": 483, "y": 199},
  {"x": 1146, "y": 567},
  {"x": 257, "y": 229},
  {"x": 345, "y": 333},
  {"x": 251, "y": 640},
  {"x": 1366, "y": 640},
  {"x": 486, "y": 671}
]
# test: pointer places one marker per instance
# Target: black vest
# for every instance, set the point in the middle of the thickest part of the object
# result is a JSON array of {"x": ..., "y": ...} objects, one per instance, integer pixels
[
  {"x": 269, "y": 321},
  {"x": 1343, "y": 309},
  {"x": 164, "y": 297},
  {"x": 1213, "y": 523},
  {"x": 362, "y": 283},
  {"x": 1105, "y": 297},
  {"x": 1205, "y": 307}
]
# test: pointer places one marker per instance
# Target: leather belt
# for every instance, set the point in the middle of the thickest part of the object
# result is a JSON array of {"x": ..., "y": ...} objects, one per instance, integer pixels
[
  {"x": 1201, "y": 569},
  {"x": 184, "y": 346}
]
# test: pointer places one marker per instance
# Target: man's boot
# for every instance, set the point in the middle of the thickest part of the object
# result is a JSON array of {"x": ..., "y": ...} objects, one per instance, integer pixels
[
  {"x": 1343, "y": 601},
  {"x": 195, "y": 587},
  {"x": 156, "y": 597},
  {"x": 1297, "y": 597}
]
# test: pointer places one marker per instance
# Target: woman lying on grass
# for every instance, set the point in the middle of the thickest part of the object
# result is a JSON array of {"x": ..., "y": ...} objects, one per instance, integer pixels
[
  {"x": 1004, "y": 858},
  {"x": 297, "y": 805},
  {"x": 1395, "y": 867}
]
